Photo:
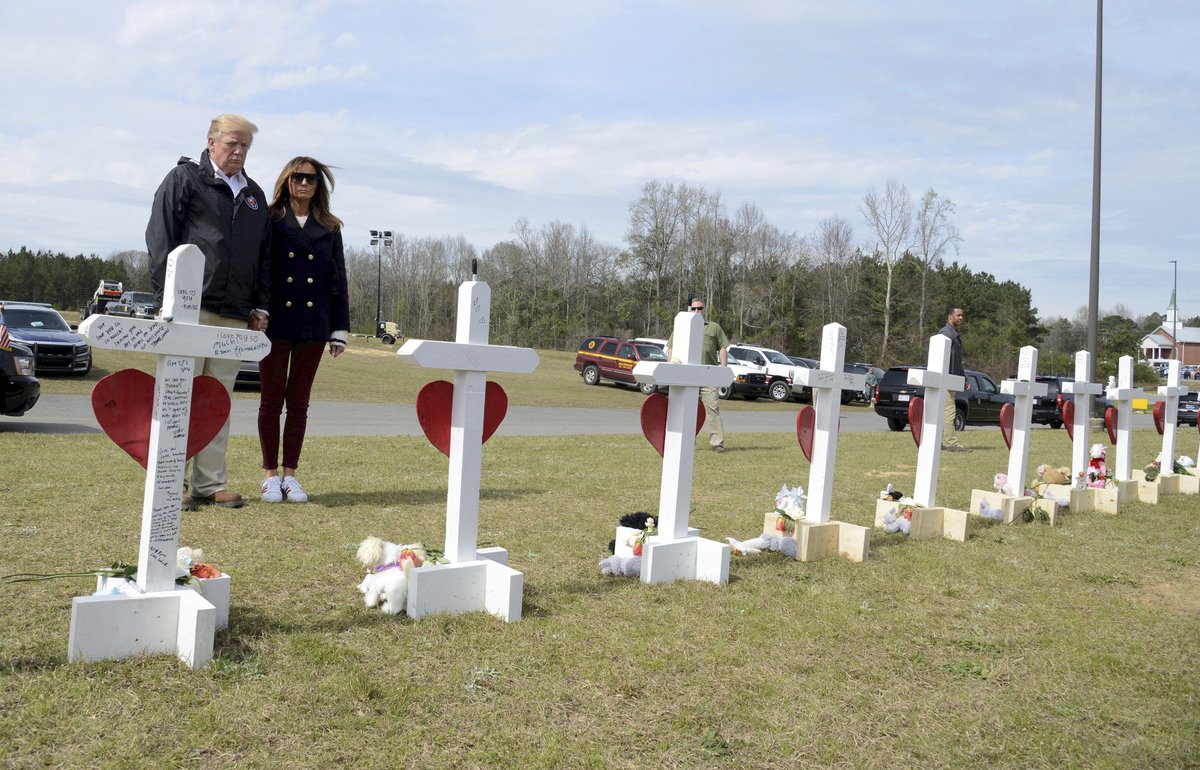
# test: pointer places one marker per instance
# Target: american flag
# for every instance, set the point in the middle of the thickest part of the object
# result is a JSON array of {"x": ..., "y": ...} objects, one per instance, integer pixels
[{"x": 4, "y": 343}]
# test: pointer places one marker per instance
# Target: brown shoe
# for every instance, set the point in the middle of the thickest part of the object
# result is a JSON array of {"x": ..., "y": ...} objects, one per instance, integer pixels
[
  {"x": 718, "y": 448},
  {"x": 222, "y": 497},
  {"x": 186, "y": 503}
]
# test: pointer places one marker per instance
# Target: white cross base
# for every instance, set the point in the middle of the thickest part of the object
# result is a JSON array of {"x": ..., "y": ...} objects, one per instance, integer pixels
[
  {"x": 677, "y": 552},
  {"x": 164, "y": 617},
  {"x": 475, "y": 579}
]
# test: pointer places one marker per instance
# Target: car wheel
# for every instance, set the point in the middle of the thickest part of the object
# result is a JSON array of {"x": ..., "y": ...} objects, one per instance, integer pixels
[
  {"x": 647, "y": 387},
  {"x": 895, "y": 423},
  {"x": 591, "y": 375},
  {"x": 1055, "y": 424},
  {"x": 780, "y": 390},
  {"x": 724, "y": 393},
  {"x": 960, "y": 419},
  {"x": 388, "y": 339}
]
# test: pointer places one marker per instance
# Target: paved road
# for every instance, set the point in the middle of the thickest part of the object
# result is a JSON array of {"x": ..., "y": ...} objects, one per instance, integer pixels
[{"x": 73, "y": 414}]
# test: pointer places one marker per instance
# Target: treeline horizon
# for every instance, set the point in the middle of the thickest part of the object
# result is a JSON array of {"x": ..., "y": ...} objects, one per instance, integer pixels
[{"x": 554, "y": 285}]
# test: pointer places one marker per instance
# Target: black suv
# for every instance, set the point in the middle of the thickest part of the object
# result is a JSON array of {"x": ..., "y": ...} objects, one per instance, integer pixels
[
  {"x": 979, "y": 404},
  {"x": 17, "y": 383},
  {"x": 1047, "y": 409}
]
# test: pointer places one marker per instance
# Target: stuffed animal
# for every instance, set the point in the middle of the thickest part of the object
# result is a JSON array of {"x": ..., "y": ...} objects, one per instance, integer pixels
[
  {"x": 388, "y": 565},
  {"x": 1048, "y": 474},
  {"x": 1097, "y": 470}
]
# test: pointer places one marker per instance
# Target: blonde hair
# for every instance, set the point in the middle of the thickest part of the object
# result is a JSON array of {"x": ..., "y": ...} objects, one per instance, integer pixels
[
  {"x": 223, "y": 124},
  {"x": 319, "y": 208}
]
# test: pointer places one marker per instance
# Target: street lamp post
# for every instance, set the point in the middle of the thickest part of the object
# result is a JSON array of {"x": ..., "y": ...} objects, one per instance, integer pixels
[
  {"x": 1175, "y": 305},
  {"x": 379, "y": 239}
]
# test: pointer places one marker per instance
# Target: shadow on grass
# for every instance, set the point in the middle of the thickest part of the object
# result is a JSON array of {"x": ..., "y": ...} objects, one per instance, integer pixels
[{"x": 413, "y": 497}]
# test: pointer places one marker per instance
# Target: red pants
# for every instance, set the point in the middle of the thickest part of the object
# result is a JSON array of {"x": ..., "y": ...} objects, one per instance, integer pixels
[{"x": 287, "y": 375}]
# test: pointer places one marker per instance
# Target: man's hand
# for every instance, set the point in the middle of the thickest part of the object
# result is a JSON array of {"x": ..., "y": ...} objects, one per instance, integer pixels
[{"x": 258, "y": 321}]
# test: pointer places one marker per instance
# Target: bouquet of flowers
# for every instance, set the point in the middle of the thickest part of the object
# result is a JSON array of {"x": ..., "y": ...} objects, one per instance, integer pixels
[
  {"x": 121, "y": 577},
  {"x": 789, "y": 507},
  {"x": 639, "y": 540}
]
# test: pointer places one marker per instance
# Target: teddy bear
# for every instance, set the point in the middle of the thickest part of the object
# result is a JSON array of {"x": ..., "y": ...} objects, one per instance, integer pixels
[
  {"x": 1097, "y": 470},
  {"x": 1048, "y": 474}
]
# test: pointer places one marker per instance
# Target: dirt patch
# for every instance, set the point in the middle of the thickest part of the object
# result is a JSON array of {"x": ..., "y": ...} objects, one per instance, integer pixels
[{"x": 1182, "y": 596}]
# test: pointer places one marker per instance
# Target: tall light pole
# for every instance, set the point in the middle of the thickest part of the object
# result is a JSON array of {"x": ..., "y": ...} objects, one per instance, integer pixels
[
  {"x": 1175, "y": 305},
  {"x": 379, "y": 239},
  {"x": 1093, "y": 342}
]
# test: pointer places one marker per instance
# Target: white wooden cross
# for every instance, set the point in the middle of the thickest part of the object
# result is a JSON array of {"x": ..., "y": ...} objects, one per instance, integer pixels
[
  {"x": 471, "y": 357},
  {"x": 683, "y": 381},
  {"x": 1082, "y": 391},
  {"x": 1122, "y": 396},
  {"x": 1170, "y": 393},
  {"x": 178, "y": 339},
  {"x": 1025, "y": 388},
  {"x": 827, "y": 384},
  {"x": 939, "y": 385}
]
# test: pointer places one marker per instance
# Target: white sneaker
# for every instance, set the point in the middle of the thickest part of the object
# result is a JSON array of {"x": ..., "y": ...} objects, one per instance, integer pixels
[
  {"x": 271, "y": 491},
  {"x": 293, "y": 491}
]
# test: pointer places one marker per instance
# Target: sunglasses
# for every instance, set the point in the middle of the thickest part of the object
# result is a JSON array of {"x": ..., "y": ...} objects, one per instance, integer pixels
[
  {"x": 696, "y": 309},
  {"x": 299, "y": 178}
]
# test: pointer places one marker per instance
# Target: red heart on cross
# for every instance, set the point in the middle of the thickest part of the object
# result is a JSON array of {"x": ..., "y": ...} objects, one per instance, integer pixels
[
  {"x": 1110, "y": 423},
  {"x": 654, "y": 419},
  {"x": 1160, "y": 416},
  {"x": 124, "y": 404},
  {"x": 1068, "y": 410},
  {"x": 806, "y": 425},
  {"x": 916, "y": 414},
  {"x": 435, "y": 407},
  {"x": 1006, "y": 424}
]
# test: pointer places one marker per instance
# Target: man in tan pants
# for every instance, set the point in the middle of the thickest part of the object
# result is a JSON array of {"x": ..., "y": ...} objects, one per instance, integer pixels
[{"x": 714, "y": 350}]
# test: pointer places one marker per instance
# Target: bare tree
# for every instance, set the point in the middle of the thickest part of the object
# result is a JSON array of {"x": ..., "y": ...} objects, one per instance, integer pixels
[
  {"x": 935, "y": 235},
  {"x": 890, "y": 218}
]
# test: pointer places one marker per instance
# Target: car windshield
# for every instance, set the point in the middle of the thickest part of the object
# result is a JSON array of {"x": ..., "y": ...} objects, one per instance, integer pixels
[
  {"x": 139, "y": 296},
  {"x": 650, "y": 352},
  {"x": 34, "y": 318},
  {"x": 775, "y": 357}
]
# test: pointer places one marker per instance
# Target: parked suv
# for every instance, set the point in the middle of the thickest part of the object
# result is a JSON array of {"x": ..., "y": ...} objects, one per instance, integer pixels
[
  {"x": 56, "y": 348},
  {"x": 979, "y": 404},
  {"x": 1047, "y": 409},
  {"x": 135, "y": 304},
  {"x": 613, "y": 359},
  {"x": 803, "y": 392},
  {"x": 780, "y": 370},
  {"x": 749, "y": 382},
  {"x": 18, "y": 386}
]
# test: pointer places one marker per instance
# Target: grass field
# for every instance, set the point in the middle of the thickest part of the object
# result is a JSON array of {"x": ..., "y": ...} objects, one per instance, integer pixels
[{"x": 1025, "y": 647}]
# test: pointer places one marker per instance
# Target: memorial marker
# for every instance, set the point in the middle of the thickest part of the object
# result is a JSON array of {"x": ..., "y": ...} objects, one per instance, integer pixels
[
  {"x": 164, "y": 618},
  {"x": 677, "y": 552},
  {"x": 1122, "y": 397},
  {"x": 474, "y": 579}
]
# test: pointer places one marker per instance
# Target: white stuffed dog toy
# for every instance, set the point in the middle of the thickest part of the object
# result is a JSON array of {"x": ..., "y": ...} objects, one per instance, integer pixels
[{"x": 388, "y": 565}]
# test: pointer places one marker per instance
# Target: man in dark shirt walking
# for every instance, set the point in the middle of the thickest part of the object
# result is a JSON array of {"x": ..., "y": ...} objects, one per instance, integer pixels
[{"x": 954, "y": 319}]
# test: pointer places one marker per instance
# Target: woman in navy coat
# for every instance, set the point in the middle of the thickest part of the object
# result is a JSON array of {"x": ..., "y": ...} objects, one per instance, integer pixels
[{"x": 310, "y": 310}]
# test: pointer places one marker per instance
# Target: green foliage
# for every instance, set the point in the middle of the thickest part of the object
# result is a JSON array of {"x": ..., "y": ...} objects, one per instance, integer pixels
[{"x": 64, "y": 282}]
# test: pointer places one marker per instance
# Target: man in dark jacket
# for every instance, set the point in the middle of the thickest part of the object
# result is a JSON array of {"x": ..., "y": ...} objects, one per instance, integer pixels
[
  {"x": 954, "y": 319},
  {"x": 212, "y": 203}
]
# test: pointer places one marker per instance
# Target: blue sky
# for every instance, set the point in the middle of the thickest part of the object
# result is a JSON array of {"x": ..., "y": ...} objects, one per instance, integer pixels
[{"x": 447, "y": 118}]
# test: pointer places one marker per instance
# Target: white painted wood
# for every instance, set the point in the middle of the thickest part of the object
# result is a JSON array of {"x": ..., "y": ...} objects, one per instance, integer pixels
[
  {"x": 178, "y": 621},
  {"x": 1024, "y": 389},
  {"x": 679, "y": 554},
  {"x": 827, "y": 384},
  {"x": 177, "y": 343},
  {"x": 1081, "y": 391},
  {"x": 1122, "y": 396},
  {"x": 474, "y": 580},
  {"x": 939, "y": 385},
  {"x": 1170, "y": 393}
]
